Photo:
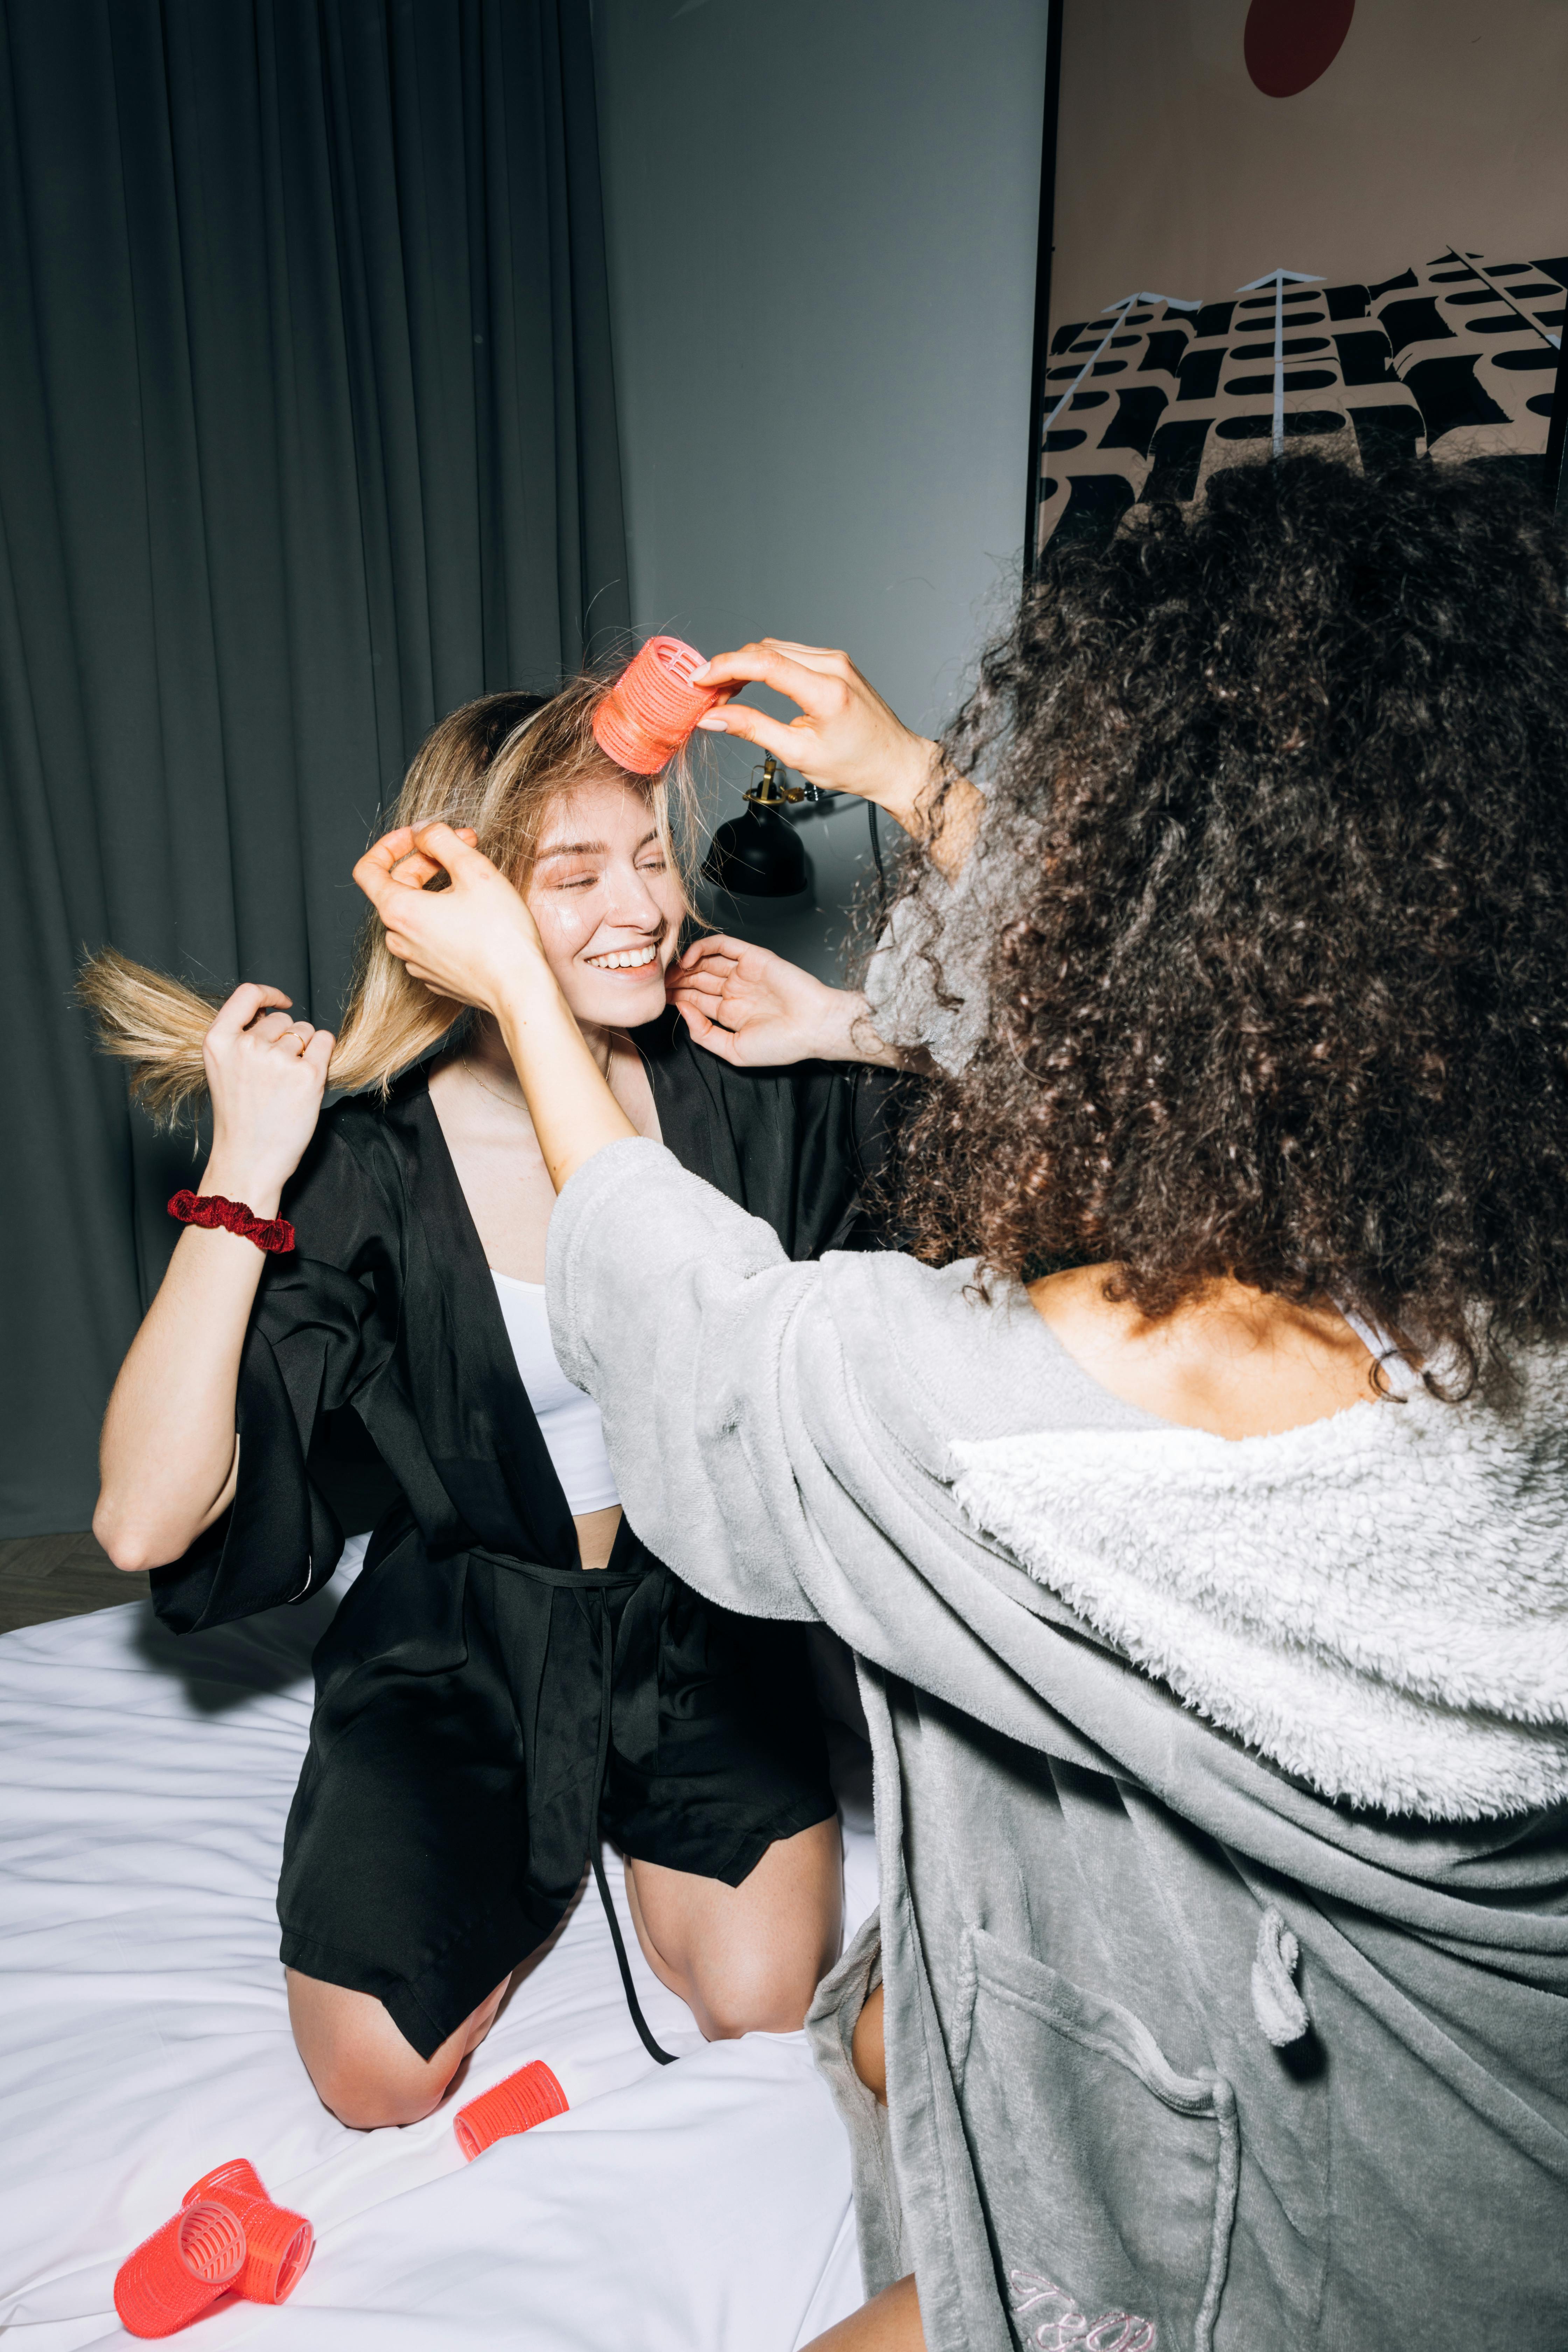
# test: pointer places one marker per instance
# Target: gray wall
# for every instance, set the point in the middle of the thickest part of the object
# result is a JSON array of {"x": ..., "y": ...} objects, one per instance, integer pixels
[{"x": 822, "y": 217}]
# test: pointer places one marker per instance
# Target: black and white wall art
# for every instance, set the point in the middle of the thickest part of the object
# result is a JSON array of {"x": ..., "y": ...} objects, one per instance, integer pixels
[{"x": 1392, "y": 290}]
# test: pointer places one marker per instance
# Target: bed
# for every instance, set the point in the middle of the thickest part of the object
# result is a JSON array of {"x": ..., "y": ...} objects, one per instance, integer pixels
[{"x": 144, "y": 2038}]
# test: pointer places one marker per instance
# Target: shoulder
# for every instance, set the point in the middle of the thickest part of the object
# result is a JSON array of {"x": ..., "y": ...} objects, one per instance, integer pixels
[
  {"x": 375, "y": 1127},
  {"x": 939, "y": 1356},
  {"x": 353, "y": 1135},
  {"x": 780, "y": 1143},
  {"x": 360, "y": 1163}
]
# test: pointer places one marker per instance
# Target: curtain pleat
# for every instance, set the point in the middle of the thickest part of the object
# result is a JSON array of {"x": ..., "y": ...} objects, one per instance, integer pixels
[{"x": 307, "y": 436}]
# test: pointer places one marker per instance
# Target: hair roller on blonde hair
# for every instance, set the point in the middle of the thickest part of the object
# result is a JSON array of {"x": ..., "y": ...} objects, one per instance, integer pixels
[{"x": 495, "y": 765}]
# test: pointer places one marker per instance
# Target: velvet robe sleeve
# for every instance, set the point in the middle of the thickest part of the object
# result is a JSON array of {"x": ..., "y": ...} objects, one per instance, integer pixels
[{"x": 323, "y": 1329}]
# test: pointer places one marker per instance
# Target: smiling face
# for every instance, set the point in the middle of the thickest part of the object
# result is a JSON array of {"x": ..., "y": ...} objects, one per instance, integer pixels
[{"x": 608, "y": 903}]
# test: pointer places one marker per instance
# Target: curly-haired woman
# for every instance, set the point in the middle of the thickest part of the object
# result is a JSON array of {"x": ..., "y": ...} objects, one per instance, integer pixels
[{"x": 1195, "y": 1495}]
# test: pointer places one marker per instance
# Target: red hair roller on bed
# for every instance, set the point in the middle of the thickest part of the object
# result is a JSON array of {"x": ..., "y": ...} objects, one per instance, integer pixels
[
  {"x": 173, "y": 2276},
  {"x": 653, "y": 706},
  {"x": 278, "y": 2244},
  {"x": 530, "y": 2097}
]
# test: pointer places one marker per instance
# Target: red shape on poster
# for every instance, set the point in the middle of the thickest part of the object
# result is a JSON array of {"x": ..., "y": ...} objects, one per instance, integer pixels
[{"x": 1288, "y": 44}]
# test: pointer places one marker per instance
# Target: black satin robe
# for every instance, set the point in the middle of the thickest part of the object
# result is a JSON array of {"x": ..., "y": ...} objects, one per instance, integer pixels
[{"x": 386, "y": 1304}]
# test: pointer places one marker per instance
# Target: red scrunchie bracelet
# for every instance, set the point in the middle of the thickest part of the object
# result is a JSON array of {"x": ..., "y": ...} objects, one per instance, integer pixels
[{"x": 211, "y": 1208}]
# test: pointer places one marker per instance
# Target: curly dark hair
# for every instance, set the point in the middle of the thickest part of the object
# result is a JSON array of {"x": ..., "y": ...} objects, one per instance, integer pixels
[{"x": 1278, "y": 956}]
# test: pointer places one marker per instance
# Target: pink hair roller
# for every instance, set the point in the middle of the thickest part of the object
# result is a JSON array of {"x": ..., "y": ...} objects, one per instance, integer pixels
[
  {"x": 175, "y": 2275},
  {"x": 653, "y": 706},
  {"x": 278, "y": 2244},
  {"x": 530, "y": 2097}
]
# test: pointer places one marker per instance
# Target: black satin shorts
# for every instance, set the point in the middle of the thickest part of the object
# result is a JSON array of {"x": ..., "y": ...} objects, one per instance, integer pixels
[{"x": 480, "y": 1721}]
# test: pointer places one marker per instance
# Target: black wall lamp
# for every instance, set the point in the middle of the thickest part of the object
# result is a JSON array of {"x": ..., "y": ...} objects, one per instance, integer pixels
[{"x": 760, "y": 854}]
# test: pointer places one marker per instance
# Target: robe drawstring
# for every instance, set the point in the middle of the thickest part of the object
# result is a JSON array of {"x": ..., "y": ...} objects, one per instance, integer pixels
[
  {"x": 606, "y": 1701},
  {"x": 1276, "y": 2003}
]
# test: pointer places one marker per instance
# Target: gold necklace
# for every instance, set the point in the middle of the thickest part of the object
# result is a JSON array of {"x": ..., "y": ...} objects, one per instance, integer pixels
[
  {"x": 502, "y": 1100},
  {"x": 521, "y": 1107}
]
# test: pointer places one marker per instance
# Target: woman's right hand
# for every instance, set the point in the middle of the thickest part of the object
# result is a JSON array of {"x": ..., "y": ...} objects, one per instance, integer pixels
[
  {"x": 847, "y": 738},
  {"x": 265, "y": 1074},
  {"x": 168, "y": 1453}
]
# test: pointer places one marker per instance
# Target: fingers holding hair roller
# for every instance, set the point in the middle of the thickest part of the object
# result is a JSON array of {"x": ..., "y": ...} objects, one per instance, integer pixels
[
  {"x": 651, "y": 709},
  {"x": 847, "y": 737}
]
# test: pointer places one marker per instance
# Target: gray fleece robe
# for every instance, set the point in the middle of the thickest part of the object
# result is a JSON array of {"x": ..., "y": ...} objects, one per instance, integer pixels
[{"x": 1221, "y": 1792}]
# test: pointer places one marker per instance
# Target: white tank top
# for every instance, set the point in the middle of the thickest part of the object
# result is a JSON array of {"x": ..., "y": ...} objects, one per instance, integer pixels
[{"x": 568, "y": 1419}]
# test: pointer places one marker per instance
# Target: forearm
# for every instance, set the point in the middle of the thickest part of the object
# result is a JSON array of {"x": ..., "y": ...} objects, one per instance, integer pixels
[
  {"x": 945, "y": 822},
  {"x": 665, "y": 1302},
  {"x": 168, "y": 1451},
  {"x": 574, "y": 1112}
]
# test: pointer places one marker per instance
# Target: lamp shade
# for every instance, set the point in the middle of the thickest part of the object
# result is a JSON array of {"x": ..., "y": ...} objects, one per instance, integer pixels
[{"x": 758, "y": 856}]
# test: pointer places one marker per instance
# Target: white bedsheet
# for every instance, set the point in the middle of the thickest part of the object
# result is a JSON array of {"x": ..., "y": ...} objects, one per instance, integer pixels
[{"x": 702, "y": 2207}]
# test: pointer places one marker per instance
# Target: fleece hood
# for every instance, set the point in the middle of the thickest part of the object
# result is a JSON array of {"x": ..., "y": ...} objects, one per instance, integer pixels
[{"x": 1378, "y": 1602}]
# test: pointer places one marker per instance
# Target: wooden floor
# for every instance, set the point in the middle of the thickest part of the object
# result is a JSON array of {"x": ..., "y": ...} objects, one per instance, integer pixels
[{"x": 45, "y": 1576}]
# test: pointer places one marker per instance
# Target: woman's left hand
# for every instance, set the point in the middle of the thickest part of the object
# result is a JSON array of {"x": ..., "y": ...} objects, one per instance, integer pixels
[
  {"x": 470, "y": 942},
  {"x": 751, "y": 1008}
]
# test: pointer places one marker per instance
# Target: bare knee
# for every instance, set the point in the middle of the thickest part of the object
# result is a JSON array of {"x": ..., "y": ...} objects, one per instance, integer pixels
[
  {"x": 752, "y": 1992},
  {"x": 370, "y": 2098},
  {"x": 746, "y": 1958},
  {"x": 363, "y": 2071}
]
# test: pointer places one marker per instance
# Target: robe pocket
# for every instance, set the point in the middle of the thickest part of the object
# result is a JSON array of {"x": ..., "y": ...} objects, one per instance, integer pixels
[{"x": 1109, "y": 2180}]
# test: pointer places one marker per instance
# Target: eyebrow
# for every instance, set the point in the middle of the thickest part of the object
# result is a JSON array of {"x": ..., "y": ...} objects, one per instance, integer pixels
[{"x": 589, "y": 849}]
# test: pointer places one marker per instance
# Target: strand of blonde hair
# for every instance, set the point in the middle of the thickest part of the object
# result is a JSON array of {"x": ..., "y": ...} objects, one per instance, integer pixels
[{"x": 475, "y": 769}]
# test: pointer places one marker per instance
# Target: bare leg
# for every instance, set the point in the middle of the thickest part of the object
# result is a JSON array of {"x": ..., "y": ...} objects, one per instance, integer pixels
[
  {"x": 361, "y": 2068},
  {"x": 890, "y": 2322},
  {"x": 746, "y": 1958},
  {"x": 867, "y": 2054}
]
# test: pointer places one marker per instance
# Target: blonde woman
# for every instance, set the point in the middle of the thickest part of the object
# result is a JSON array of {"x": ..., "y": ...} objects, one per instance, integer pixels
[{"x": 484, "y": 1707}]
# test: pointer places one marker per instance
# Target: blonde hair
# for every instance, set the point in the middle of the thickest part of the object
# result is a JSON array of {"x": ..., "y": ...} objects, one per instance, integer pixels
[{"x": 497, "y": 764}]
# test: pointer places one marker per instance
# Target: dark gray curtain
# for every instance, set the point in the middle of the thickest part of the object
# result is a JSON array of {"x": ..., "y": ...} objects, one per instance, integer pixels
[{"x": 307, "y": 435}]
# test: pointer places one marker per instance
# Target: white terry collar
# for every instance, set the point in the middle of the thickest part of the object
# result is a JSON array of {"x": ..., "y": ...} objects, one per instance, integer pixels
[{"x": 1378, "y": 1602}]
